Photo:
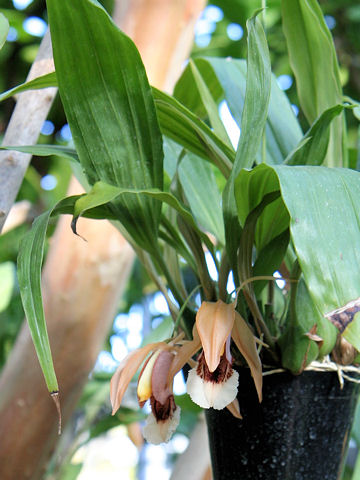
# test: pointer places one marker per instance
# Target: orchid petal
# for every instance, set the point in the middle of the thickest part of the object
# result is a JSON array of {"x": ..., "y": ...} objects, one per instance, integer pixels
[
  {"x": 234, "y": 408},
  {"x": 245, "y": 341},
  {"x": 195, "y": 388},
  {"x": 159, "y": 432},
  {"x": 126, "y": 370},
  {"x": 144, "y": 388},
  {"x": 184, "y": 354},
  {"x": 219, "y": 395},
  {"x": 160, "y": 384},
  {"x": 209, "y": 394},
  {"x": 214, "y": 322}
]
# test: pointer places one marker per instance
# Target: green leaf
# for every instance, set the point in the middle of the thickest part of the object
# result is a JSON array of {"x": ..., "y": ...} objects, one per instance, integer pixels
[
  {"x": 45, "y": 151},
  {"x": 103, "y": 193},
  {"x": 185, "y": 128},
  {"x": 29, "y": 275},
  {"x": 269, "y": 258},
  {"x": 313, "y": 146},
  {"x": 45, "y": 81},
  {"x": 189, "y": 96},
  {"x": 4, "y": 29},
  {"x": 324, "y": 207},
  {"x": 253, "y": 120},
  {"x": 200, "y": 188},
  {"x": 210, "y": 105},
  {"x": 31, "y": 252},
  {"x": 323, "y": 215},
  {"x": 313, "y": 60},
  {"x": 282, "y": 128},
  {"x": 297, "y": 350},
  {"x": 7, "y": 283},
  {"x": 110, "y": 110}
]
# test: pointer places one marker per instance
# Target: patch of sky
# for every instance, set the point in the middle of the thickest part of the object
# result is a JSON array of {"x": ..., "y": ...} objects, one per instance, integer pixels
[
  {"x": 179, "y": 386},
  {"x": 178, "y": 444},
  {"x": 65, "y": 133},
  {"x": 295, "y": 109},
  {"x": 35, "y": 26},
  {"x": 212, "y": 13},
  {"x": 155, "y": 458},
  {"x": 21, "y": 4},
  {"x": 234, "y": 31},
  {"x": 230, "y": 287},
  {"x": 134, "y": 326},
  {"x": 228, "y": 120},
  {"x": 158, "y": 305},
  {"x": 120, "y": 322},
  {"x": 12, "y": 35},
  {"x": 330, "y": 21},
  {"x": 284, "y": 81},
  {"x": 203, "y": 40},
  {"x": 118, "y": 348},
  {"x": 47, "y": 128},
  {"x": 105, "y": 362},
  {"x": 206, "y": 25},
  {"x": 48, "y": 182},
  {"x": 211, "y": 266},
  {"x": 280, "y": 283}
]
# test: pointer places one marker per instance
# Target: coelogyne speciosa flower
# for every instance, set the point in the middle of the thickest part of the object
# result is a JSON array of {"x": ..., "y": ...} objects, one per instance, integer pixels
[
  {"x": 212, "y": 382},
  {"x": 155, "y": 384}
]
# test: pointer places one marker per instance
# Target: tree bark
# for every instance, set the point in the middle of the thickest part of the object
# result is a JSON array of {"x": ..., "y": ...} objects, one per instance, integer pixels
[
  {"x": 82, "y": 281},
  {"x": 30, "y": 112}
]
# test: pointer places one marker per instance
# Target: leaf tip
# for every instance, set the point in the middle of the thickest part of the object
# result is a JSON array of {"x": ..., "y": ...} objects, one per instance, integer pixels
[
  {"x": 56, "y": 398},
  {"x": 73, "y": 227}
]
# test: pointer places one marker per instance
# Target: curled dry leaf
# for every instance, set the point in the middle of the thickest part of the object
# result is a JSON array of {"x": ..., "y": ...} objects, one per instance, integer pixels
[
  {"x": 214, "y": 322},
  {"x": 245, "y": 342},
  {"x": 313, "y": 336},
  {"x": 342, "y": 317}
]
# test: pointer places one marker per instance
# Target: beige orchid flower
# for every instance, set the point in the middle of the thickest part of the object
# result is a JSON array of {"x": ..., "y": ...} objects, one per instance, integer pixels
[
  {"x": 154, "y": 384},
  {"x": 213, "y": 382}
]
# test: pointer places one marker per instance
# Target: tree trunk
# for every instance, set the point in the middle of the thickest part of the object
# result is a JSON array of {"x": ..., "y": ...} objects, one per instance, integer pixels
[{"x": 82, "y": 281}]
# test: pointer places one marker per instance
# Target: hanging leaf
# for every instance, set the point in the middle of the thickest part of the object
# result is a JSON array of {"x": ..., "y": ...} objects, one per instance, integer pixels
[
  {"x": 313, "y": 60},
  {"x": 30, "y": 259},
  {"x": 45, "y": 81},
  {"x": 45, "y": 150},
  {"x": 110, "y": 110},
  {"x": 103, "y": 193}
]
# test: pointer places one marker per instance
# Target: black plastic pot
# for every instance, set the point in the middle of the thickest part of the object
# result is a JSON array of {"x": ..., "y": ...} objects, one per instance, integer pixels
[{"x": 299, "y": 432}]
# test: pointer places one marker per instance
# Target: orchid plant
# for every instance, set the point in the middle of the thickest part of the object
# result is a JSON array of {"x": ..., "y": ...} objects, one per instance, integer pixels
[{"x": 164, "y": 171}]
